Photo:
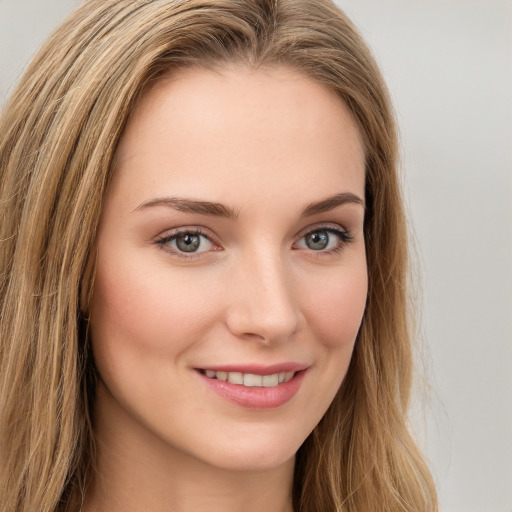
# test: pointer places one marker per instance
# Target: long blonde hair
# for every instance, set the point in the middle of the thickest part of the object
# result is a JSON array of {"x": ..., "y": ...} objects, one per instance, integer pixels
[{"x": 59, "y": 133}]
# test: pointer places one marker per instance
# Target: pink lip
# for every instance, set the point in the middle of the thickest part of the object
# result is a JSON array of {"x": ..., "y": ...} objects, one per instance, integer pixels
[
  {"x": 257, "y": 397},
  {"x": 258, "y": 369}
]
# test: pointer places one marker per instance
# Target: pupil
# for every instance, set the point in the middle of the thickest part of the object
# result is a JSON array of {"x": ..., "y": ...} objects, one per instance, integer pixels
[
  {"x": 188, "y": 243},
  {"x": 317, "y": 240}
]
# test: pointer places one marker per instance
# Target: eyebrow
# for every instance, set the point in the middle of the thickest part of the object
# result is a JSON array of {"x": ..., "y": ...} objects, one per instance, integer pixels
[
  {"x": 190, "y": 206},
  {"x": 332, "y": 202},
  {"x": 220, "y": 210}
]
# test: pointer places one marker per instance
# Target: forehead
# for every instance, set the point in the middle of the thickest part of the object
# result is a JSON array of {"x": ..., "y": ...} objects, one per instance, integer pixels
[{"x": 204, "y": 132}]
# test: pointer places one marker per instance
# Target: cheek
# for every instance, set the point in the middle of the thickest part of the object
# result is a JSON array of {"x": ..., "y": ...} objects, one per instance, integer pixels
[
  {"x": 143, "y": 311},
  {"x": 336, "y": 307}
]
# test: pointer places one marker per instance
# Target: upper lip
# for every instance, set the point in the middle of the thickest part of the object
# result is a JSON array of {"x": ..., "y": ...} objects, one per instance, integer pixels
[{"x": 257, "y": 369}]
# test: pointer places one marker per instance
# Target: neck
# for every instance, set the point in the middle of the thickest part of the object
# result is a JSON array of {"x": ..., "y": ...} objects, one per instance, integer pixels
[{"x": 136, "y": 471}]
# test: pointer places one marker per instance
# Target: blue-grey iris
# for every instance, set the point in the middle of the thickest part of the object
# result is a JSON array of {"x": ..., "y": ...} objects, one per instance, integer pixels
[
  {"x": 317, "y": 240},
  {"x": 188, "y": 242}
]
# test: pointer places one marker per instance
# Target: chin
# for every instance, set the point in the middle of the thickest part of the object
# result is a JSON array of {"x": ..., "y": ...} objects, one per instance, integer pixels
[
  {"x": 253, "y": 462},
  {"x": 249, "y": 454}
]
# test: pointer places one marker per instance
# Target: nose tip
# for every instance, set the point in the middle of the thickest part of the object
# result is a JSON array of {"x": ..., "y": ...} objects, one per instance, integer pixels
[{"x": 263, "y": 307}]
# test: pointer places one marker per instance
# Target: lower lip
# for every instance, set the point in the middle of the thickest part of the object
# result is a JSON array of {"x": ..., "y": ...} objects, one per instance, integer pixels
[{"x": 256, "y": 397}]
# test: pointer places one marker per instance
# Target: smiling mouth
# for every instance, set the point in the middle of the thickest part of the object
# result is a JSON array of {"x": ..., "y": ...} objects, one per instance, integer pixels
[{"x": 249, "y": 379}]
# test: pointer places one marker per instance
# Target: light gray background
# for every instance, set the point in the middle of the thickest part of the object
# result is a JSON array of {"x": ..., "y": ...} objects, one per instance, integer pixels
[{"x": 449, "y": 67}]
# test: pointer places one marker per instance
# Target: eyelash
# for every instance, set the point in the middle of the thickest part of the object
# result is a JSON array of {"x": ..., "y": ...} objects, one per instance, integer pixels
[
  {"x": 164, "y": 240},
  {"x": 344, "y": 239},
  {"x": 343, "y": 235}
]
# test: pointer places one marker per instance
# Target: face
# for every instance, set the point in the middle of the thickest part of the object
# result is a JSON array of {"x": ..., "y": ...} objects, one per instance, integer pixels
[{"x": 231, "y": 274}]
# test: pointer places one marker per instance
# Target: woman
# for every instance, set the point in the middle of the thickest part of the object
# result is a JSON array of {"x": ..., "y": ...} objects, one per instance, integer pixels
[{"x": 203, "y": 267}]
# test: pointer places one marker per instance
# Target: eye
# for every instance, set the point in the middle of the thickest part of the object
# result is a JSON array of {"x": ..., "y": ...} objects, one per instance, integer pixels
[
  {"x": 324, "y": 239},
  {"x": 186, "y": 242}
]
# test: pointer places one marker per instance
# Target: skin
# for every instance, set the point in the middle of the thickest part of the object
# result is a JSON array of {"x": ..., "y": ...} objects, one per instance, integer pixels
[{"x": 265, "y": 144}]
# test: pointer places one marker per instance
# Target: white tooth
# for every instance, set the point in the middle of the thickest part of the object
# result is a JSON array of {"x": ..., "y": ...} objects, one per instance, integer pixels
[
  {"x": 288, "y": 376},
  {"x": 281, "y": 377},
  {"x": 210, "y": 373},
  {"x": 270, "y": 380},
  {"x": 252, "y": 380},
  {"x": 236, "y": 377},
  {"x": 222, "y": 375}
]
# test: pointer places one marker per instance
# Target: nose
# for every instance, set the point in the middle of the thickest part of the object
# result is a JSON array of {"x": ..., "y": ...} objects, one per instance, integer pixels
[{"x": 263, "y": 305}]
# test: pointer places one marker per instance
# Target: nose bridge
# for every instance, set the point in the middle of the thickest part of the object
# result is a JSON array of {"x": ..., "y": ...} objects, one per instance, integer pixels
[{"x": 264, "y": 305}]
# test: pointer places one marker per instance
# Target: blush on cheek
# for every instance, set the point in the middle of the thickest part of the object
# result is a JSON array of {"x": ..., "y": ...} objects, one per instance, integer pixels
[
  {"x": 338, "y": 309},
  {"x": 144, "y": 308},
  {"x": 119, "y": 315}
]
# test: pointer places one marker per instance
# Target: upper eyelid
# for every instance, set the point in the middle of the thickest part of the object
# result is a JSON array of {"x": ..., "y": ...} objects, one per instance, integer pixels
[
  {"x": 171, "y": 233},
  {"x": 322, "y": 225}
]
